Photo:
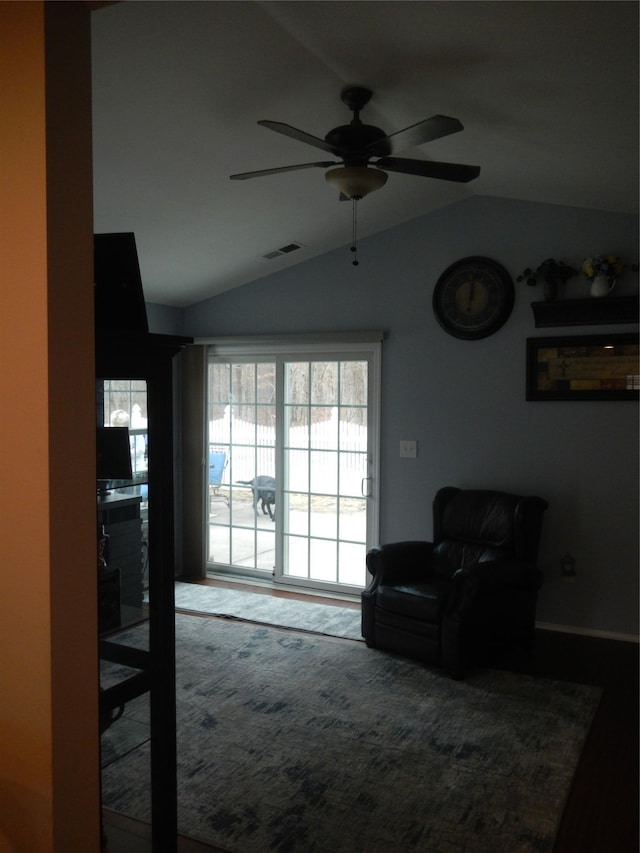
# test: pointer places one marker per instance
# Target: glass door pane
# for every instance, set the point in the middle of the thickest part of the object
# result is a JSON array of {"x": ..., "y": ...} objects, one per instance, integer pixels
[
  {"x": 123, "y": 508},
  {"x": 326, "y": 470},
  {"x": 241, "y": 465}
]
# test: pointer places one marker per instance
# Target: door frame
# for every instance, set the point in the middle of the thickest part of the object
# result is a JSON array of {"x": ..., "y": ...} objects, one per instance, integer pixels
[{"x": 366, "y": 344}]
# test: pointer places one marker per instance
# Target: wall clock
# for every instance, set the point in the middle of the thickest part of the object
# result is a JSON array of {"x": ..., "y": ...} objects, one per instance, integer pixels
[{"x": 473, "y": 298}]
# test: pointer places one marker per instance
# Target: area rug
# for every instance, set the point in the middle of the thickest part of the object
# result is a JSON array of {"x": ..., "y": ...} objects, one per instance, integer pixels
[
  {"x": 329, "y": 619},
  {"x": 296, "y": 742}
]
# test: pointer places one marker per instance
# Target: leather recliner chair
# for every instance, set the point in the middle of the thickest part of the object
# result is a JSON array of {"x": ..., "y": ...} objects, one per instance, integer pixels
[{"x": 454, "y": 601}]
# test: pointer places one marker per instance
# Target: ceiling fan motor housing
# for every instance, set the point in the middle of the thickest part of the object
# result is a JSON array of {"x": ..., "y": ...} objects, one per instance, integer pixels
[{"x": 352, "y": 141}]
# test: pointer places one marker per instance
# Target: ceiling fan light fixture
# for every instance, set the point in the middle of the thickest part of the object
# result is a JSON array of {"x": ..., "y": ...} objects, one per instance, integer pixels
[{"x": 356, "y": 182}]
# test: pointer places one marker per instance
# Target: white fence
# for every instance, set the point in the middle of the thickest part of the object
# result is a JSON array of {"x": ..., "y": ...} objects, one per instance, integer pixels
[{"x": 328, "y": 456}]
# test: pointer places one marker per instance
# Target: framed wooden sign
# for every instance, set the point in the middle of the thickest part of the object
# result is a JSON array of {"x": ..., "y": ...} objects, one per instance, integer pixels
[{"x": 585, "y": 367}]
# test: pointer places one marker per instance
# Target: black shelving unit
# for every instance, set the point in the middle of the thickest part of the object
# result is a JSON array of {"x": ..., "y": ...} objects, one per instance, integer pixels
[{"x": 149, "y": 357}]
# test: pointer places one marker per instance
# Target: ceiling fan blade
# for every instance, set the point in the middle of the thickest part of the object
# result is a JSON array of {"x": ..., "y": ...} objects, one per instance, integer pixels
[
  {"x": 424, "y": 131},
  {"x": 242, "y": 176},
  {"x": 300, "y": 135},
  {"x": 429, "y": 169}
]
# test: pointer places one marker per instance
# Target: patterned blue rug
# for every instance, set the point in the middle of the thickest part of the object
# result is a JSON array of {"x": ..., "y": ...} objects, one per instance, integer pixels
[
  {"x": 297, "y": 742},
  {"x": 333, "y": 620}
]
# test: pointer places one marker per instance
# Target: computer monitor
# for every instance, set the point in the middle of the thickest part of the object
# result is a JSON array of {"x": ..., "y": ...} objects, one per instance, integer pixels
[{"x": 113, "y": 456}]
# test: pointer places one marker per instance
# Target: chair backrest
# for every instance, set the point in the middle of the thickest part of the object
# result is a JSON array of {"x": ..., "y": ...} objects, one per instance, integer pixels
[
  {"x": 473, "y": 526},
  {"x": 217, "y": 463}
]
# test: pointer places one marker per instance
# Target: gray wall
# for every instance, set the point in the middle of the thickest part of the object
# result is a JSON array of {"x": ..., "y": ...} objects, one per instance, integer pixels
[
  {"x": 164, "y": 319},
  {"x": 464, "y": 402}
]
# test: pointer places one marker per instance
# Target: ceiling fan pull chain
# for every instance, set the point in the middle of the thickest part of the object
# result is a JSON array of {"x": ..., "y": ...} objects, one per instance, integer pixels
[{"x": 354, "y": 246}]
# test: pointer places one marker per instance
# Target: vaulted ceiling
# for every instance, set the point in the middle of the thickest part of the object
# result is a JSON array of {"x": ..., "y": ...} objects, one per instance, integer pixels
[{"x": 547, "y": 93}]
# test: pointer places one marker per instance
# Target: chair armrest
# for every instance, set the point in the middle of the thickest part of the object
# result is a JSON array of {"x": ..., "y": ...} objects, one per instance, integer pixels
[
  {"x": 398, "y": 561},
  {"x": 504, "y": 573},
  {"x": 492, "y": 576},
  {"x": 472, "y": 582}
]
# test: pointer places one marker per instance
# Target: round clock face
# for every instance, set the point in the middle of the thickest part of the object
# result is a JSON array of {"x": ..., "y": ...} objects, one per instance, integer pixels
[{"x": 473, "y": 298}]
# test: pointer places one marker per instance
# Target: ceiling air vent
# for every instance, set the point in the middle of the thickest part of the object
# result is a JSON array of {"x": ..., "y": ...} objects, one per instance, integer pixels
[{"x": 283, "y": 250}]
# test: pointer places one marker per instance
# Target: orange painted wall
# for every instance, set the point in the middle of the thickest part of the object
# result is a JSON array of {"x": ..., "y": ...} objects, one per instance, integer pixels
[{"x": 49, "y": 784}]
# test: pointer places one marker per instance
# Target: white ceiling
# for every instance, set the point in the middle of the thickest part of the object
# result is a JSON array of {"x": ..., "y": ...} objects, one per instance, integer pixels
[{"x": 547, "y": 93}]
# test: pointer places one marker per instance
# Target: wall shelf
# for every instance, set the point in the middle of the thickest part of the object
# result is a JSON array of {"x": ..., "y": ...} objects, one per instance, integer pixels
[{"x": 586, "y": 312}]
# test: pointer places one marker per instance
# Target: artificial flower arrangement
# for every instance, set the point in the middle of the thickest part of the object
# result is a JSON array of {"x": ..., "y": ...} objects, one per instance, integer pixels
[
  {"x": 607, "y": 265},
  {"x": 550, "y": 271}
]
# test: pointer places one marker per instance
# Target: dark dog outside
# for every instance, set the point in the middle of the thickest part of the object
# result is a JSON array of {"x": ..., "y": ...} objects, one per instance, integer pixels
[{"x": 264, "y": 492}]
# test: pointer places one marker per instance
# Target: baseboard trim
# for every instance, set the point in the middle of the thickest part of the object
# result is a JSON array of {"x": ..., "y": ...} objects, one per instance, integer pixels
[{"x": 589, "y": 632}]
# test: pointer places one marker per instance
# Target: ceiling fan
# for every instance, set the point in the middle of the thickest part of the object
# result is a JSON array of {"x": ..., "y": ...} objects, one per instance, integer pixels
[{"x": 357, "y": 143}]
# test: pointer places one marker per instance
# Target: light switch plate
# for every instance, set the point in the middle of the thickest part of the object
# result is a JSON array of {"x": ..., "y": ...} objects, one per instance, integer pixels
[{"x": 408, "y": 449}]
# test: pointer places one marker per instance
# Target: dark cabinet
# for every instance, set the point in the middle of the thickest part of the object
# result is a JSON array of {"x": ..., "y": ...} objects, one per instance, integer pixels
[
  {"x": 137, "y": 517},
  {"x": 119, "y": 516},
  {"x": 109, "y": 615}
]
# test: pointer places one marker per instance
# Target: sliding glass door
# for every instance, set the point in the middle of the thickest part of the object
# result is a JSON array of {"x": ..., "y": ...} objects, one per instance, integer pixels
[
  {"x": 326, "y": 476},
  {"x": 292, "y": 456}
]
